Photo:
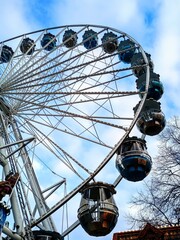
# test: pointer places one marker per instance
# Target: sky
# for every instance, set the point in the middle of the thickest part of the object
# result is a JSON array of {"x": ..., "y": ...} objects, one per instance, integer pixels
[{"x": 154, "y": 24}]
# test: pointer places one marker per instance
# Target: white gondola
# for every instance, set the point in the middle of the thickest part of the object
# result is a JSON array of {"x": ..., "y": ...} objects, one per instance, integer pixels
[
  {"x": 151, "y": 120},
  {"x": 98, "y": 213}
]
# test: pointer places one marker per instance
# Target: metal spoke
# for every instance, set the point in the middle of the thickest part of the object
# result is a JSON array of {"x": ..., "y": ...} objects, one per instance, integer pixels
[{"x": 66, "y": 106}]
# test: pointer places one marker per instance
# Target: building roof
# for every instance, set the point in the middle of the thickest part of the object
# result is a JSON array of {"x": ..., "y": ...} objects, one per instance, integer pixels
[{"x": 150, "y": 232}]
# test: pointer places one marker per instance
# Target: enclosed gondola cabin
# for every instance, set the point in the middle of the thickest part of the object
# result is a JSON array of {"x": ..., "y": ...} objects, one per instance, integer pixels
[
  {"x": 48, "y": 42},
  {"x": 155, "y": 90},
  {"x": 69, "y": 38},
  {"x": 151, "y": 120},
  {"x": 46, "y": 235},
  {"x": 6, "y": 54},
  {"x": 109, "y": 42},
  {"x": 98, "y": 212},
  {"x": 90, "y": 39},
  {"x": 27, "y": 46},
  {"x": 133, "y": 161},
  {"x": 138, "y": 63},
  {"x": 126, "y": 50},
  {"x": 4, "y": 212}
]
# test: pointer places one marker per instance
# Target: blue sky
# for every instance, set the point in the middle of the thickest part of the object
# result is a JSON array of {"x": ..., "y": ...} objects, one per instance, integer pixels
[{"x": 154, "y": 24}]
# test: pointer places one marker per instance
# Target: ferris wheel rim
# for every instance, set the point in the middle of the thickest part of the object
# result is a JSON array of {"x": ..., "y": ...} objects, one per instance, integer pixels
[
  {"x": 114, "y": 150},
  {"x": 69, "y": 26}
]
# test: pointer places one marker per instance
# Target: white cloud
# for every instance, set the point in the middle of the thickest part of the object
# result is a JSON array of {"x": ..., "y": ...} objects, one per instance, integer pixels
[
  {"x": 165, "y": 54},
  {"x": 37, "y": 165},
  {"x": 13, "y": 19},
  {"x": 154, "y": 24}
]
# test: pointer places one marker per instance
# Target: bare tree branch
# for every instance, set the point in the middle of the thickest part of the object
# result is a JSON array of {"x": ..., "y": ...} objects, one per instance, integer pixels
[{"x": 159, "y": 203}]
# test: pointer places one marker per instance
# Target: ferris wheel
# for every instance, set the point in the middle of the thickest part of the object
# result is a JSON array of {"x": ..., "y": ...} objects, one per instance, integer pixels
[{"x": 70, "y": 99}]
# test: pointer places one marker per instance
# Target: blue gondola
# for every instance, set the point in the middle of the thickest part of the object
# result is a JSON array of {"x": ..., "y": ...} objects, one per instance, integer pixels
[
  {"x": 133, "y": 160},
  {"x": 4, "y": 212},
  {"x": 126, "y": 50},
  {"x": 98, "y": 212},
  {"x": 90, "y": 39},
  {"x": 109, "y": 42},
  {"x": 70, "y": 38},
  {"x": 151, "y": 120},
  {"x": 48, "y": 42},
  {"x": 6, "y": 54},
  {"x": 27, "y": 46},
  {"x": 138, "y": 64},
  {"x": 155, "y": 89}
]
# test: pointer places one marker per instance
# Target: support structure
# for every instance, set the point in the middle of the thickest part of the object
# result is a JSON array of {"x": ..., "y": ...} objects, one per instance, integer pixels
[{"x": 18, "y": 198}]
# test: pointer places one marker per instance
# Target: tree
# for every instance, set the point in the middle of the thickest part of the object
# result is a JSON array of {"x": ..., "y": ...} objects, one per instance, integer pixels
[{"x": 159, "y": 201}]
